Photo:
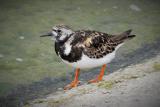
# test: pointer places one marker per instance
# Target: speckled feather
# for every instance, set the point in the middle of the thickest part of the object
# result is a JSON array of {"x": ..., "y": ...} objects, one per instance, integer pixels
[{"x": 97, "y": 44}]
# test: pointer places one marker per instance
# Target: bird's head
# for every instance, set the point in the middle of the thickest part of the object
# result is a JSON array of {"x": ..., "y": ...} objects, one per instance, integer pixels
[{"x": 59, "y": 33}]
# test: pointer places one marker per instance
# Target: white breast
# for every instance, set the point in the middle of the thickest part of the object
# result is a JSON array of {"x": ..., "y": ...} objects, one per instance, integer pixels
[{"x": 87, "y": 62}]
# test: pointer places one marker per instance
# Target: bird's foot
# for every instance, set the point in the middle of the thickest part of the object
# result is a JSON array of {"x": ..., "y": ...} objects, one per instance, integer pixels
[
  {"x": 72, "y": 85},
  {"x": 95, "y": 80}
]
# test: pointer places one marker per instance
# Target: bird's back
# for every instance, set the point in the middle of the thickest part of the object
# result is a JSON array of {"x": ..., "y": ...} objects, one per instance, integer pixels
[{"x": 97, "y": 44}]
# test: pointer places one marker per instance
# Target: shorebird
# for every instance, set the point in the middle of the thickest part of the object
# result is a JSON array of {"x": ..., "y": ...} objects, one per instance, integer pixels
[{"x": 86, "y": 49}]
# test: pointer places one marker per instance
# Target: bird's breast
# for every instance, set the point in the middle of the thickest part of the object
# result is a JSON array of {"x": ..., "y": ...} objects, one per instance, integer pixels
[
  {"x": 86, "y": 62},
  {"x": 68, "y": 53}
]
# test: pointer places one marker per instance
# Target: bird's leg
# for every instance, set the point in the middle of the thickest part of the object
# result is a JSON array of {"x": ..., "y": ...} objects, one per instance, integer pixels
[
  {"x": 100, "y": 76},
  {"x": 75, "y": 82}
]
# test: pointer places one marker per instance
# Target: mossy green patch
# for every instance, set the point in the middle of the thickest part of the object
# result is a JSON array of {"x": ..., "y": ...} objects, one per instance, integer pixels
[
  {"x": 51, "y": 102},
  {"x": 110, "y": 83},
  {"x": 39, "y": 101},
  {"x": 27, "y": 105},
  {"x": 156, "y": 66},
  {"x": 130, "y": 76},
  {"x": 106, "y": 84}
]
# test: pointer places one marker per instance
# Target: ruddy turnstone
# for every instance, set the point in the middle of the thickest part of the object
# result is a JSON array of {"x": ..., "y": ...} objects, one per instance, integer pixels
[{"x": 86, "y": 48}]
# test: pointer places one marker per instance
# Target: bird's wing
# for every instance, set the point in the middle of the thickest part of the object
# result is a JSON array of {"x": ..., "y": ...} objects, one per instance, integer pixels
[
  {"x": 95, "y": 44},
  {"x": 99, "y": 46}
]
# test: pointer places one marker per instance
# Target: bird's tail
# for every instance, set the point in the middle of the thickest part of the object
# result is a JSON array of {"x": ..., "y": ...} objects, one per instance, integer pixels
[{"x": 123, "y": 36}]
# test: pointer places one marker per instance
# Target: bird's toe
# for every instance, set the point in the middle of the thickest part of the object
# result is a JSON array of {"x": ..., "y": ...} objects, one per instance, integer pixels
[{"x": 72, "y": 85}]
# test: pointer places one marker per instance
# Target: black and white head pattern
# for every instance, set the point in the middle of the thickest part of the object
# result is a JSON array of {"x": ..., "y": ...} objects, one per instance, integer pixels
[{"x": 61, "y": 32}]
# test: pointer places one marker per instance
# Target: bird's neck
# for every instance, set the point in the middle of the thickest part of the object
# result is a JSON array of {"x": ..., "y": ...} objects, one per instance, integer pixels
[{"x": 65, "y": 47}]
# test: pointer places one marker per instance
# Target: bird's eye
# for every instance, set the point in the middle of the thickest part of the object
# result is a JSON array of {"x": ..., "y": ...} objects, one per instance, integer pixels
[
  {"x": 58, "y": 31},
  {"x": 54, "y": 30}
]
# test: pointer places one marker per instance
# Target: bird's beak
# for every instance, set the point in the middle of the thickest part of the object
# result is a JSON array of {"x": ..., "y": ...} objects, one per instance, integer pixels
[{"x": 47, "y": 34}]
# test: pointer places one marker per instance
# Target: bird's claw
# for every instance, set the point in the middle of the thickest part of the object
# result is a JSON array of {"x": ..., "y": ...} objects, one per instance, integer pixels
[
  {"x": 72, "y": 85},
  {"x": 95, "y": 80}
]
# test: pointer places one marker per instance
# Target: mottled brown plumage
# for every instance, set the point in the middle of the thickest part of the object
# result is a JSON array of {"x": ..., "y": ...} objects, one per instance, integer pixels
[{"x": 97, "y": 44}]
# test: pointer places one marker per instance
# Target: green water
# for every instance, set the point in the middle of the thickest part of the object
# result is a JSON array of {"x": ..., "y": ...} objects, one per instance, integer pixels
[{"x": 25, "y": 58}]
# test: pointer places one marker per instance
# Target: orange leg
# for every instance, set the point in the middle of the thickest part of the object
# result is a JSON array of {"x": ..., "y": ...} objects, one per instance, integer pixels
[
  {"x": 100, "y": 76},
  {"x": 75, "y": 82}
]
